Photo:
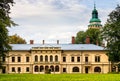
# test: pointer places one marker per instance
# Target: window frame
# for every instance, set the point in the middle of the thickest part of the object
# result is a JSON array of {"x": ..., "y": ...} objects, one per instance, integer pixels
[
  {"x": 13, "y": 69},
  {"x": 41, "y": 58},
  {"x": 19, "y": 69},
  {"x": 64, "y": 70},
  {"x": 36, "y": 58},
  {"x": 13, "y": 59},
  {"x": 27, "y": 59},
  {"x": 19, "y": 59},
  {"x": 78, "y": 58},
  {"x": 97, "y": 59},
  {"x": 27, "y": 69},
  {"x": 56, "y": 58},
  {"x": 64, "y": 59},
  {"x": 72, "y": 59}
]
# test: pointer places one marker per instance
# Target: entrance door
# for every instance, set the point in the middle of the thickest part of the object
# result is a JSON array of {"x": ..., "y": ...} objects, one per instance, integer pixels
[
  {"x": 86, "y": 69},
  {"x": 4, "y": 70}
]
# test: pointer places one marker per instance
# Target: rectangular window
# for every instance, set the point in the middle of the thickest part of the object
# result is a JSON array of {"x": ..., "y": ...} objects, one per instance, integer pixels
[
  {"x": 19, "y": 59},
  {"x": 97, "y": 58},
  {"x": 64, "y": 59},
  {"x": 86, "y": 59},
  {"x": 19, "y": 69},
  {"x": 27, "y": 59},
  {"x": 13, "y": 59},
  {"x": 64, "y": 69},
  {"x": 13, "y": 69},
  {"x": 72, "y": 59},
  {"x": 27, "y": 69},
  {"x": 78, "y": 59}
]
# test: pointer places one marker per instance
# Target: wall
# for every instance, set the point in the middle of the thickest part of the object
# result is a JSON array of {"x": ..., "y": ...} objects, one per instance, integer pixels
[{"x": 103, "y": 64}]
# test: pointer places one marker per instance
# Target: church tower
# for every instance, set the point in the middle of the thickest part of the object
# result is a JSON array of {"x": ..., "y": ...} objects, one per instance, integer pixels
[{"x": 95, "y": 22}]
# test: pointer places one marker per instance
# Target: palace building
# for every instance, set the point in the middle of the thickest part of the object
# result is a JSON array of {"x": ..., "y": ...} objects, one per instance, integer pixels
[{"x": 58, "y": 58}]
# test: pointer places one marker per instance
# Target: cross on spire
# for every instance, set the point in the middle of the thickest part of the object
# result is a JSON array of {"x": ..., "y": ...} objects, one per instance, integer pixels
[{"x": 94, "y": 5}]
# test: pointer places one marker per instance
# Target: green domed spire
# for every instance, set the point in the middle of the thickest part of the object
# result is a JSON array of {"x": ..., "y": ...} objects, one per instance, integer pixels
[
  {"x": 95, "y": 22},
  {"x": 94, "y": 15}
]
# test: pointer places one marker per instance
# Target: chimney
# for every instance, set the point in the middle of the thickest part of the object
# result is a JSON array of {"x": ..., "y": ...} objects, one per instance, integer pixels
[
  {"x": 87, "y": 40},
  {"x": 57, "y": 41},
  {"x": 43, "y": 41},
  {"x": 73, "y": 40},
  {"x": 31, "y": 41}
]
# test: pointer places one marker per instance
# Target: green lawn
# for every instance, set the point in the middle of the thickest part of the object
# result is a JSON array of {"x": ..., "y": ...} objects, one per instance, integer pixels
[{"x": 59, "y": 77}]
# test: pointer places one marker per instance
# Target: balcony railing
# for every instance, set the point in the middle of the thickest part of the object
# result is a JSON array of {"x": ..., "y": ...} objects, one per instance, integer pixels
[
  {"x": 47, "y": 62},
  {"x": 87, "y": 63}
]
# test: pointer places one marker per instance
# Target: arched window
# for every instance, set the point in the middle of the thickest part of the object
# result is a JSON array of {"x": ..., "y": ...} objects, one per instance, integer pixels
[
  {"x": 51, "y": 58},
  {"x": 36, "y": 68},
  {"x": 97, "y": 69},
  {"x": 56, "y": 58},
  {"x": 52, "y": 68},
  {"x": 41, "y": 58},
  {"x": 46, "y": 58},
  {"x": 36, "y": 58},
  {"x": 56, "y": 68},
  {"x": 41, "y": 68},
  {"x": 75, "y": 69}
]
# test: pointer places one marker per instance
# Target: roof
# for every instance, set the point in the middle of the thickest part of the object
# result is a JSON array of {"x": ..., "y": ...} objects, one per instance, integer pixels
[
  {"x": 95, "y": 20},
  {"x": 62, "y": 46},
  {"x": 94, "y": 16}
]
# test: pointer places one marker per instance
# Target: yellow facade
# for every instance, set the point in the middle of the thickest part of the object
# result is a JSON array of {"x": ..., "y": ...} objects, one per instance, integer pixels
[{"x": 41, "y": 59}]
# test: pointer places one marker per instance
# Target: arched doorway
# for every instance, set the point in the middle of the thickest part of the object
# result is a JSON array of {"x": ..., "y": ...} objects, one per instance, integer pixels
[
  {"x": 56, "y": 68},
  {"x": 46, "y": 68},
  {"x": 36, "y": 68},
  {"x": 97, "y": 69},
  {"x": 52, "y": 68},
  {"x": 75, "y": 69},
  {"x": 41, "y": 68}
]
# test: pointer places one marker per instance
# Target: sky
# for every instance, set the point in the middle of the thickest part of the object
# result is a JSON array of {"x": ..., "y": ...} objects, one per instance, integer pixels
[{"x": 53, "y": 20}]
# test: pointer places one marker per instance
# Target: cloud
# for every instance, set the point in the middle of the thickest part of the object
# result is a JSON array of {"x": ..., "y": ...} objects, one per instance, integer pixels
[{"x": 52, "y": 20}]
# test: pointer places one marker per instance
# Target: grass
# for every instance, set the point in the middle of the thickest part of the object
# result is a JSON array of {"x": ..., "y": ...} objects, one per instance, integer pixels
[{"x": 59, "y": 77}]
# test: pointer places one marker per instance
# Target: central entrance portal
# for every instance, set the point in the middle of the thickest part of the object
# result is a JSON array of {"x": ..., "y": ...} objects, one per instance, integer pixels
[{"x": 86, "y": 69}]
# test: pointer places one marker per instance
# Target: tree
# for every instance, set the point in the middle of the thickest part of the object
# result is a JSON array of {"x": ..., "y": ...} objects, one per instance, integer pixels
[
  {"x": 15, "y": 39},
  {"x": 5, "y": 21},
  {"x": 95, "y": 37},
  {"x": 80, "y": 38},
  {"x": 111, "y": 33},
  {"x": 94, "y": 34}
]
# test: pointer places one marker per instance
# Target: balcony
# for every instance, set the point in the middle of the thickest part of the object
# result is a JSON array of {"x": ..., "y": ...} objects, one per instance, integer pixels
[
  {"x": 87, "y": 63},
  {"x": 47, "y": 62}
]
